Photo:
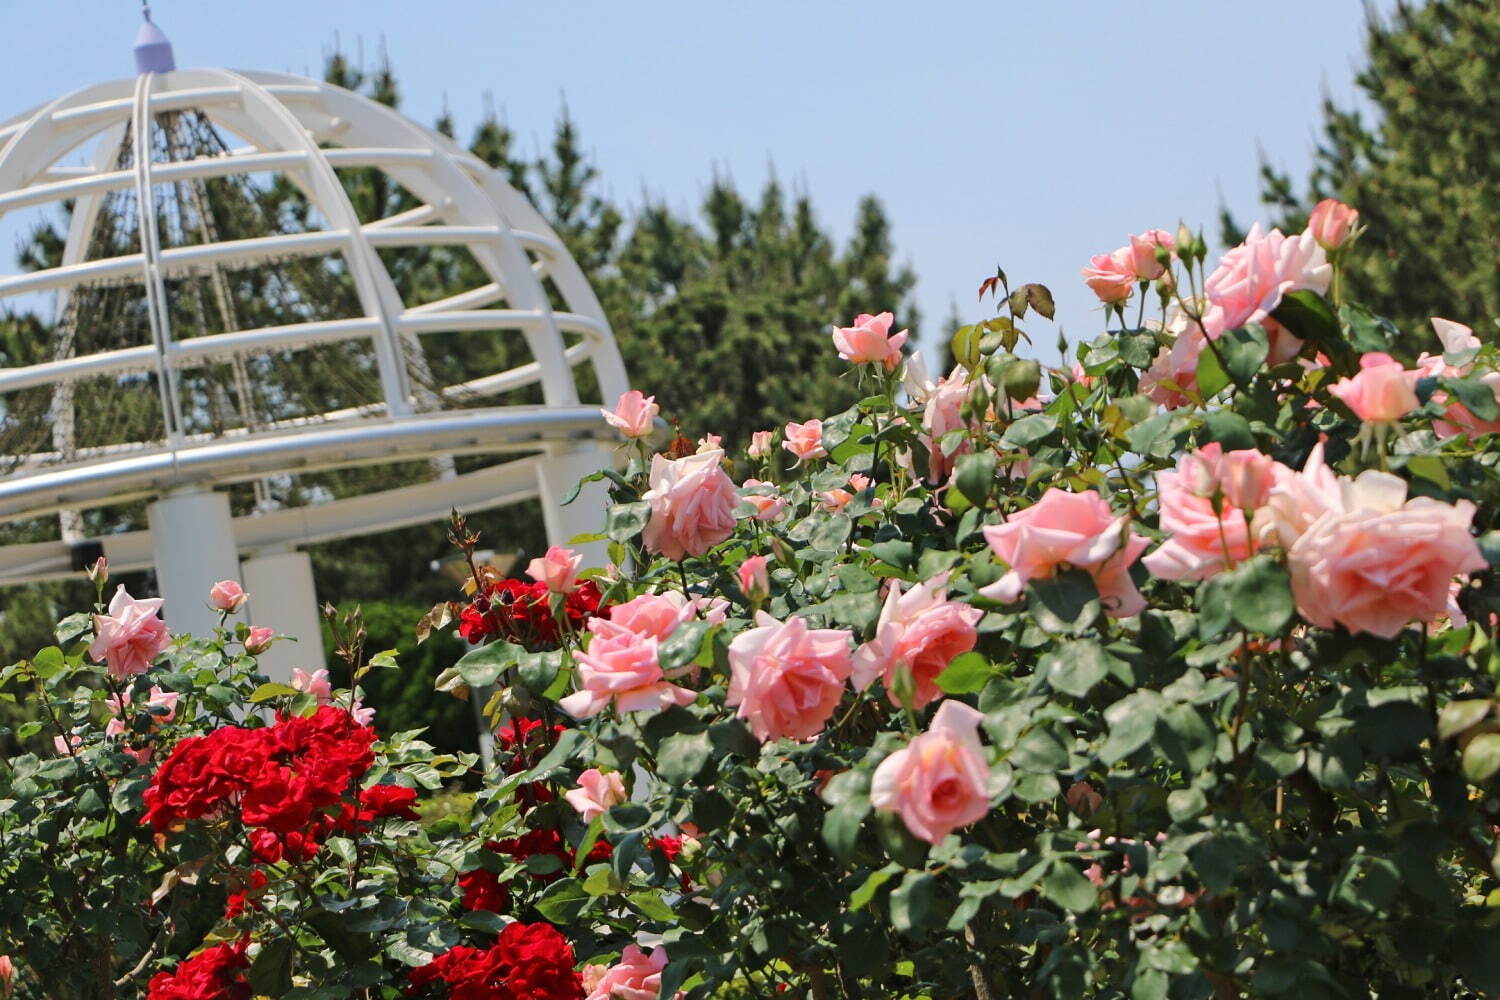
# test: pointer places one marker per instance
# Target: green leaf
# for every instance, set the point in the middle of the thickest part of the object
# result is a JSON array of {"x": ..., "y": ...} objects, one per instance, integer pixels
[
  {"x": 1309, "y": 316},
  {"x": 1458, "y": 716},
  {"x": 1482, "y": 758},
  {"x": 1075, "y": 666},
  {"x": 680, "y": 758},
  {"x": 1476, "y": 396},
  {"x": 481, "y": 667},
  {"x": 841, "y": 825},
  {"x": 652, "y": 906},
  {"x": 626, "y": 520},
  {"x": 1245, "y": 350},
  {"x": 894, "y": 553},
  {"x": 861, "y": 897},
  {"x": 1039, "y": 750},
  {"x": 271, "y": 972},
  {"x": 1229, "y": 429},
  {"x": 271, "y": 690},
  {"x": 627, "y": 817},
  {"x": 1067, "y": 602},
  {"x": 975, "y": 476},
  {"x": 683, "y": 644},
  {"x": 48, "y": 662},
  {"x": 1066, "y": 886},
  {"x": 967, "y": 674},
  {"x": 1368, "y": 332},
  {"x": 1029, "y": 430},
  {"x": 563, "y": 901},
  {"x": 1186, "y": 803},
  {"x": 537, "y": 671},
  {"x": 831, "y": 534},
  {"x": 562, "y": 751},
  {"x": 1260, "y": 593},
  {"x": 1211, "y": 376},
  {"x": 1131, "y": 720},
  {"x": 911, "y": 901}
]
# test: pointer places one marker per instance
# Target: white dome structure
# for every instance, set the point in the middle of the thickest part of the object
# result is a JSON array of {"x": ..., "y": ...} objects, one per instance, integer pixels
[{"x": 214, "y": 342}]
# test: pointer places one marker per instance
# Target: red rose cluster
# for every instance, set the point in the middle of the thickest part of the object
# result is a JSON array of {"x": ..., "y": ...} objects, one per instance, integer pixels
[
  {"x": 483, "y": 889},
  {"x": 527, "y": 962},
  {"x": 216, "y": 973},
  {"x": 521, "y": 612},
  {"x": 282, "y": 778}
]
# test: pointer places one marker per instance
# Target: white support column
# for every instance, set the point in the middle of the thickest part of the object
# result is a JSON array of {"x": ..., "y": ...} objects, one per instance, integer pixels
[
  {"x": 283, "y": 597},
  {"x": 192, "y": 534},
  {"x": 557, "y": 474}
]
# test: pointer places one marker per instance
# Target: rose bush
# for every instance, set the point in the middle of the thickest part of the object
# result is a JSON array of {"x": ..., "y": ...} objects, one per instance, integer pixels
[{"x": 1166, "y": 673}]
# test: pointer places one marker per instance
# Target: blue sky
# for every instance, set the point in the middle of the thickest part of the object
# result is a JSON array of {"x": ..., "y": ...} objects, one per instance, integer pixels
[{"x": 1026, "y": 134}]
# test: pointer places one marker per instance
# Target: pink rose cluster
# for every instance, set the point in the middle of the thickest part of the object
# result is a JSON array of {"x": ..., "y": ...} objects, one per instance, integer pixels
[
  {"x": 1066, "y": 530},
  {"x": 1111, "y": 276},
  {"x": 1207, "y": 506}
]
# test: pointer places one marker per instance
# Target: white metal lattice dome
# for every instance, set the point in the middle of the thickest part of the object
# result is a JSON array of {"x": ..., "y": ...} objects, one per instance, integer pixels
[{"x": 204, "y": 325}]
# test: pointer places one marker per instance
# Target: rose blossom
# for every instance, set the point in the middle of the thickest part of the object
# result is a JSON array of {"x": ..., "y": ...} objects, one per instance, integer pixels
[
  {"x": 656, "y": 616},
  {"x": 805, "y": 440},
  {"x": 259, "y": 639},
  {"x": 227, "y": 596},
  {"x": 1174, "y": 371},
  {"x": 1456, "y": 339},
  {"x": 1202, "y": 543},
  {"x": 787, "y": 678},
  {"x": 1382, "y": 392},
  {"x": 558, "y": 569},
  {"x": 918, "y": 635},
  {"x": 710, "y": 442},
  {"x": 634, "y": 415},
  {"x": 1459, "y": 419},
  {"x": 1143, "y": 253},
  {"x": 940, "y": 780},
  {"x": 869, "y": 341},
  {"x": 1374, "y": 561},
  {"x": 157, "y": 698},
  {"x": 1251, "y": 280},
  {"x": 1068, "y": 529},
  {"x": 755, "y": 579},
  {"x": 7, "y": 975},
  {"x": 1110, "y": 275},
  {"x": 620, "y": 666},
  {"x": 636, "y": 976},
  {"x": 595, "y": 793},
  {"x": 130, "y": 636},
  {"x": 692, "y": 505},
  {"x": 768, "y": 506},
  {"x": 316, "y": 684},
  {"x": 1331, "y": 223},
  {"x": 760, "y": 444}
]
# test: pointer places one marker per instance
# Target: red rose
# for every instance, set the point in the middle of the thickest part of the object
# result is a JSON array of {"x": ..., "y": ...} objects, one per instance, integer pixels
[{"x": 215, "y": 973}]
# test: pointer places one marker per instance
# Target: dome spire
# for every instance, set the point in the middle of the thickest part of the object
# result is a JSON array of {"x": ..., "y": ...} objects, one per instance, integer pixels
[{"x": 153, "y": 53}]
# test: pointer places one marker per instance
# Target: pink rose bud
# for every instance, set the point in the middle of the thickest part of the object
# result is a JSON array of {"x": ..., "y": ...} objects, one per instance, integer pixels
[
  {"x": 834, "y": 501},
  {"x": 259, "y": 640},
  {"x": 361, "y": 714},
  {"x": 710, "y": 442},
  {"x": 805, "y": 440},
  {"x": 67, "y": 746},
  {"x": 869, "y": 341},
  {"x": 227, "y": 596},
  {"x": 1382, "y": 392},
  {"x": 859, "y": 483},
  {"x": 692, "y": 505},
  {"x": 786, "y": 678},
  {"x": 558, "y": 569},
  {"x": 99, "y": 571},
  {"x": 595, "y": 793},
  {"x": 1198, "y": 472},
  {"x": 1331, "y": 223},
  {"x": 7, "y": 975},
  {"x": 760, "y": 444},
  {"x": 130, "y": 636},
  {"x": 1246, "y": 477},
  {"x": 1111, "y": 276},
  {"x": 634, "y": 415},
  {"x": 755, "y": 579},
  {"x": 316, "y": 684},
  {"x": 940, "y": 781},
  {"x": 768, "y": 504},
  {"x": 1143, "y": 248}
]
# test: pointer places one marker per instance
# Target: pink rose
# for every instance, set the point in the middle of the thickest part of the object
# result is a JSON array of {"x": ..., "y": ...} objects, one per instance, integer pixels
[
  {"x": 1375, "y": 561},
  {"x": 227, "y": 596},
  {"x": 1331, "y": 223},
  {"x": 656, "y": 616},
  {"x": 1251, "y": 279},
  {"x": 940, "y": 780},
  {"x": 156, "y": 699},
  {"x": 7, "y": 975},
  {"x": 768, "y": 506},
  {"x": 634, "y": 415},
  {"x": 130, "y": 636},
  {"x": 787, "y": 678},
  {"x": 1082, "y": 378},
  {"x": 1174, "y": 371},
  {"x": 1143, "y": 260},
  {"x": 1296, "y": 500},
  {"x": 1382, "y": 392},
  {"x": 1200, "y": 542},
  {"x": 755, "y": 579},
  {"x": 620, "y": 666},
  {"x": 360, "y": 713},
  {"x": 943, "y": 413},
  {"x": 595, "y": 793},
  {"x": 1068, "y": 529},
  {"x": 558, "y": 569},
  {"x": 918, "y": 635},
  {"x": 692, "y": 505},
  {"x": 637, "y": 976},
  {"x": 710, "y": 442},
  {"x": 805, "y": 440},
  {"x": 259, "y": 640},
  {"x": 67, "y": 746},
  {"x": 834, "y": 501},
  {"x": 1456, "y": 339},
  {"x": 760, "y": 444},
  {"x": 316, "y": 684},
  {"x": 869, "y": 341},
  {"x": 1459, "y": 419},
  {"x": 1111, "y": 276}
]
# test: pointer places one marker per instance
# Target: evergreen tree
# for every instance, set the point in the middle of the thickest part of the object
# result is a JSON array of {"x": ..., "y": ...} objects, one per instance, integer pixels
[{"x": 1425, "y": 174}]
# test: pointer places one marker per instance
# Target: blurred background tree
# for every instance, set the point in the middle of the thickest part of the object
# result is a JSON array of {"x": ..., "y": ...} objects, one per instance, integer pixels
[{"x": 1423, "y": 169}]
